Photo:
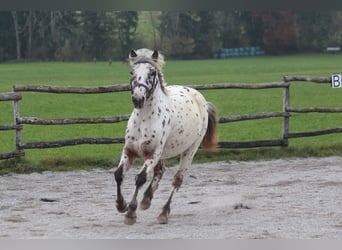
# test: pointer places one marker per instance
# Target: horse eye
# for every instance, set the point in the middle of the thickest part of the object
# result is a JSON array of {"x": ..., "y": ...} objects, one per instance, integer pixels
[{"x": 131, "y": 72}]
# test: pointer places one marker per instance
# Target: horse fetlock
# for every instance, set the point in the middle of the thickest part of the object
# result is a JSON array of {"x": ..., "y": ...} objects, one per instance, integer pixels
[
  {"x": 146, "y": 201},
  {"x": 121, "y": 205},
  {"x": 132, "y": 206}
]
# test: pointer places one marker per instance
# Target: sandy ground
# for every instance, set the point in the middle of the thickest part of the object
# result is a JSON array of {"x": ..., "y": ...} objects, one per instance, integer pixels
[{"x": 283, "y": 199}]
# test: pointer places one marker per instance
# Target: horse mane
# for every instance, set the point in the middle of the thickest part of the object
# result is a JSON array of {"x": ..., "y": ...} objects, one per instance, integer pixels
[{"x": 155, "y": 58}]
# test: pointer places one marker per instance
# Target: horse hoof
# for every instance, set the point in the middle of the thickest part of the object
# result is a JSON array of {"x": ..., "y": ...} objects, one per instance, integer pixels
[
  {"x": 145, "y": 203},
  {"x": 130, "y": 220},
  {"x": 163, "y": 219}
]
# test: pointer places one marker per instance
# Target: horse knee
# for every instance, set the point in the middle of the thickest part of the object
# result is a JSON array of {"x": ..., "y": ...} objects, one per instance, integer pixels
[
  {"x": 140, "y": 179},
  {"x": 118, "y": 174}
]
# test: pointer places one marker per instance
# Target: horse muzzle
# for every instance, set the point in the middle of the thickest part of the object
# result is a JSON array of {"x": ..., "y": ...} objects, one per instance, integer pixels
[{"x": 138, "y": 102}]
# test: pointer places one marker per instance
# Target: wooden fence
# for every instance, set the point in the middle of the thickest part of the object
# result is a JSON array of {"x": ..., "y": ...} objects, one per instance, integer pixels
[{"x": 19, "y": 121}]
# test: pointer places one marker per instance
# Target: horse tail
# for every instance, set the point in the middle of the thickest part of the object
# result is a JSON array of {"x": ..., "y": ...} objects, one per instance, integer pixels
[{"x": 210, "y": 140}]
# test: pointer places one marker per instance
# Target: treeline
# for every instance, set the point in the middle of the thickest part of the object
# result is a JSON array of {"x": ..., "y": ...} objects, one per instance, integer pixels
[
  {"x": 66, "y": 35},
  {"x": 109, "y": 35}
]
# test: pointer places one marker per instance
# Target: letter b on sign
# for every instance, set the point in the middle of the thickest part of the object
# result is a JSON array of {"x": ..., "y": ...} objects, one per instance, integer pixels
[{"x": 336, "y": 81}]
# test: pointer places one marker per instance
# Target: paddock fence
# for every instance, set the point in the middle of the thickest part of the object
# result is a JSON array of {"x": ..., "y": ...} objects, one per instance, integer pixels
[{"x": 285, "y": 113}]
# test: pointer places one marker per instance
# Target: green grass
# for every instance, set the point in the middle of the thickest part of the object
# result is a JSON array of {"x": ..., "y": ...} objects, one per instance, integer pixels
[{"x": 229, "y": 102}]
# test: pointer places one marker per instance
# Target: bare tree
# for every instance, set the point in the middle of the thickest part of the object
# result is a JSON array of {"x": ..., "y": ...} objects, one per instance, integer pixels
[
  {"x": 154, "y": 27},
  {"x": 16, "y": 30},
  {"x": 29, "y": 38}
]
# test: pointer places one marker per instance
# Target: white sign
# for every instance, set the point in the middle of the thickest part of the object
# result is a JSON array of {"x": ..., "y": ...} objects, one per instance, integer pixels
[{"x": 336, "y": 81}]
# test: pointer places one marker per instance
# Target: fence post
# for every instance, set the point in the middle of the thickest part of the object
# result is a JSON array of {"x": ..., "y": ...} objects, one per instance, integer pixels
[
  {"x": 286, "y": 105},
  {"x": 18, "y": 128}
]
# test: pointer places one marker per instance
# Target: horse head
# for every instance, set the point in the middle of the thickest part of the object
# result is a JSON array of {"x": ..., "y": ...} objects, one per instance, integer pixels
[{"x": 145, "y": 75}]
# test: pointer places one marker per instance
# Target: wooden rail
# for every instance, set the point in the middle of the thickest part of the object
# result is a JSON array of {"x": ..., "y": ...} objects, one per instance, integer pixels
[
  {"x": 236, "y": 118},
  {"x": 315, "y": 133},
  {"x": 10, "y": 96},
  {"x": 71, "y": 142},
  {"x": 323, "y": 80},
  {"x": 287, "y": 108},
  {"x": 253, "y": 144},
  {"x": 240, "y": 86},
  {"x": 65, "y": 121},
  {"x": 71, "y": 89},
  {"x": 19, "y": 121},
  {"x": 319, "y": 110}
]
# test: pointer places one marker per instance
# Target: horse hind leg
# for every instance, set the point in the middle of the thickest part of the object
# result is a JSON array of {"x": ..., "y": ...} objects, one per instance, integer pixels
[
  {"x": 163, "y": 217},
  {"x": 148, "y": 194},
  {"x": 185, "y": 162}
]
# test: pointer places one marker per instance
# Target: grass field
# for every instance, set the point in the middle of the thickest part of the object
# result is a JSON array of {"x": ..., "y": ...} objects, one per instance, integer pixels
[{"x": 229, "y": 102}]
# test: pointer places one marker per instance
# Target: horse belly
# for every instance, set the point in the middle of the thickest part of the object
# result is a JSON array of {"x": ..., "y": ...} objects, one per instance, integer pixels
[
  {"x": 177, "y": 144},
  {"x": 189, "y": 122}
]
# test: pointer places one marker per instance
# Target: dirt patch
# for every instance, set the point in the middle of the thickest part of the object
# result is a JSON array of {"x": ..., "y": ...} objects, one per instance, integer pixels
[{"x": 297, "y": 198}]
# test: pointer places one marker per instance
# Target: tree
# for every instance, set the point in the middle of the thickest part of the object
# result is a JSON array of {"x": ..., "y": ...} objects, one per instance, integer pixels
[
  {"x": 279, "y": 32},
  {"x": 205, "y": 34},
  {"x": 314, "y": 29},
  {"x": 175, "y": 28},
  {"x": 99, "y": 29},
  {"x": 335, "y": 38},
  {"x": 7, "y": 37},
  {"x": 154, "y": 29},
  {"x": 126, "y": 22},
  {"x": 82, "y": 35},
  {"x": 30, "y": 34},
  {"x": 229, "y": 30},
  {"x": 17, "y": 33}
]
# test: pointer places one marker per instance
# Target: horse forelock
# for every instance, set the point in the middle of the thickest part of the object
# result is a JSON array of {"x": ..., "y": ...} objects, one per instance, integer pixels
[{"x": 146, "y": 54}]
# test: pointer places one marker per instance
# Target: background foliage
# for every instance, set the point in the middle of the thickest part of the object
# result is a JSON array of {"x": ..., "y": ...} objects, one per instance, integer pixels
[{"x": 108, "y": 35}]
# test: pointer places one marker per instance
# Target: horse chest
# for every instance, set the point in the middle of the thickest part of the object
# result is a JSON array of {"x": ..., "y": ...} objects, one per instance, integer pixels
[{"x": 147, "y": 131}]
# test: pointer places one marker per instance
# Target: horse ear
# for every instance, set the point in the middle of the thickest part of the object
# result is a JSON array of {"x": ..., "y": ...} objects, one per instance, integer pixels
[
  {"x": 133, "y": 54},
  {"x": 155, "y": 55}
]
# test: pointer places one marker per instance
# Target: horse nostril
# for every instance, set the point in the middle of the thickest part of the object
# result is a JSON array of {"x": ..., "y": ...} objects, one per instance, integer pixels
[{"x": 138, "y": 102}]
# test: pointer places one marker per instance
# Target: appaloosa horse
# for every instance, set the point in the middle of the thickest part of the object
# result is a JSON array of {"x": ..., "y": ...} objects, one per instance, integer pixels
[{"x": 166, "y": 121}]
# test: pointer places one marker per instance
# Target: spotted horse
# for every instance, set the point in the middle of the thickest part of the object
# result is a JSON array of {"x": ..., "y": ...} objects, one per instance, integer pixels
[{"x": 166, "y": 121}]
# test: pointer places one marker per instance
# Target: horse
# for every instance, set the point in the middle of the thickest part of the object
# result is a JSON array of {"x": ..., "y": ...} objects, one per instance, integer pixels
[{"x": 166, "y": 121}]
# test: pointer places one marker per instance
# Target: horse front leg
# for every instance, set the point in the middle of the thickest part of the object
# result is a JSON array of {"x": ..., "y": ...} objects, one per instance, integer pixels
[
  {"x": 125, "y": 163},
  {"x": 121, "y": 204},
  {"x": 131, "y": 217},
  {"x": 148, "y": 194}
]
